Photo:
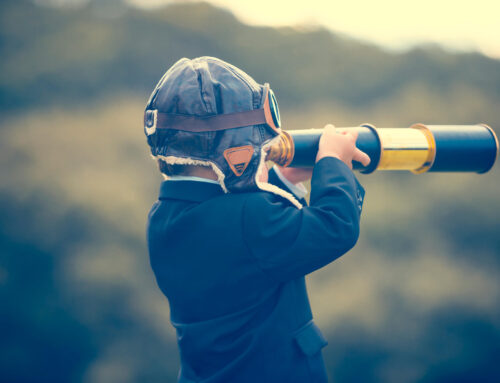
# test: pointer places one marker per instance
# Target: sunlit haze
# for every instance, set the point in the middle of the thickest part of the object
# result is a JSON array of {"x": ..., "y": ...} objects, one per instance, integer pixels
[{"x": 463, "y": 26}]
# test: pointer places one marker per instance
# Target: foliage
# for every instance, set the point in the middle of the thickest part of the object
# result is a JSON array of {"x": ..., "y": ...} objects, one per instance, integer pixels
[{"x": 76, "y": 55}]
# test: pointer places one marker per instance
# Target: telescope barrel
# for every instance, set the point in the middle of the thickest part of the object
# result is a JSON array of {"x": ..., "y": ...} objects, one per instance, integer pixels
[{"x": 420, "y": 148}]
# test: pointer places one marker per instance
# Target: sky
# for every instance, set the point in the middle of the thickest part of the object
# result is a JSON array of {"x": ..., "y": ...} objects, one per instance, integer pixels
[{"x": 397, "y": 24}]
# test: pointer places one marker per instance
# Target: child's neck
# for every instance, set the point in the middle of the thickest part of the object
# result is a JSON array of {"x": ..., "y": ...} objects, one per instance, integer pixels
[{"x": 203, "y": 172}]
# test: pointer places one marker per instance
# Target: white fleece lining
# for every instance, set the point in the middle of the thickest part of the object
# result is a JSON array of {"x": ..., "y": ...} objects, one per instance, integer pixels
[
  {"x": 270, "y": 187},
  {"x": 172, "y": 160}
]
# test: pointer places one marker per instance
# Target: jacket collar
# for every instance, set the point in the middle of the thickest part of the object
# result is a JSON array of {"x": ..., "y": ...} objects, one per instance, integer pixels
[{"x": 189, "y": 190}]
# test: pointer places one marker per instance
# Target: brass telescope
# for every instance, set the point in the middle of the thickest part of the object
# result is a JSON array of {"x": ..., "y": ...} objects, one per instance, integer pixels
[{"x": 419, "y": 149}]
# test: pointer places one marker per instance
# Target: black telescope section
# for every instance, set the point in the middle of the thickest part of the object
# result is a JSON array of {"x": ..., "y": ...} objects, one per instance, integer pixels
[
  {"x": 306, "y": 147},
  {"x": 369, "y": 142},
  {"x": 471, "y": 149}
]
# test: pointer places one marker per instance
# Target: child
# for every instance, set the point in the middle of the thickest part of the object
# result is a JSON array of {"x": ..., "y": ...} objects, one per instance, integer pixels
[{"x": 230, "y": 242}]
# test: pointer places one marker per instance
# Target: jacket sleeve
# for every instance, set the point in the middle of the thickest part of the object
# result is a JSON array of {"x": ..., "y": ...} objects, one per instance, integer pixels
[{"x": 288, "y": 242}]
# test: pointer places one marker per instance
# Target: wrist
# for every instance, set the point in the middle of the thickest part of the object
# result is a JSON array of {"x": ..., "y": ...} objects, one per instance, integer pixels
[
  {"x": 319, "y": 156},
  {"x": 296, "y": 188}
]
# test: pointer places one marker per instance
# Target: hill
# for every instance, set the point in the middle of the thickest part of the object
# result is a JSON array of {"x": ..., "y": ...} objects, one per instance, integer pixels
[{"x": 73, "y": 55}]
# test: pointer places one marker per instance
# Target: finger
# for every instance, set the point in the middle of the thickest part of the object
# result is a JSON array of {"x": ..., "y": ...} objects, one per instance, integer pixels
[
  {"x": 330, "y": 128},
  {"x": 361, "y": 157},
  {"x": 354, "y": 134}
]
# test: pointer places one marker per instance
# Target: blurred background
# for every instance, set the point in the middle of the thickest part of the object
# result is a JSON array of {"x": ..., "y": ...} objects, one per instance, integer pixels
[{"x": 417, "y": 300}]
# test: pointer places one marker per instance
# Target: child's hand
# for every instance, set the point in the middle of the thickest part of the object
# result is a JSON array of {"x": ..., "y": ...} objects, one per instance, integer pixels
[{"x": 341, "y": 146}]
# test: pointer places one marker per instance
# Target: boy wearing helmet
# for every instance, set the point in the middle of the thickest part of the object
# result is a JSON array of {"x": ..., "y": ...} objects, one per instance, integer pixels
[{"x": 230, "y": 243}]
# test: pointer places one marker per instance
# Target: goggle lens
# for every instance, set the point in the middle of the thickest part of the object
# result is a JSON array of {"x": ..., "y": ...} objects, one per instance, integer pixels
[{"x": 275, "y": 112}]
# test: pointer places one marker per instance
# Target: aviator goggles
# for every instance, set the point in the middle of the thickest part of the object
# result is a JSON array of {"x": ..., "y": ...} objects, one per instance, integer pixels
[{"x": 267, "y": 115}]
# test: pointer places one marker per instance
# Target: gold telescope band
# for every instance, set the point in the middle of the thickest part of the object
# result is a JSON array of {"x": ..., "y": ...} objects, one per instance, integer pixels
[{"x": 411, "y": 149}]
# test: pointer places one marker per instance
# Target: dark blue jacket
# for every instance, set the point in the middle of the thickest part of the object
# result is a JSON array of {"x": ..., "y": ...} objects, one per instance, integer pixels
[{"x": 232, "y": 267}]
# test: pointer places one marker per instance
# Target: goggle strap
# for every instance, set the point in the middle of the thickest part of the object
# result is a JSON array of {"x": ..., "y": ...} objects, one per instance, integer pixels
[
  {"x": 210, "y": 123},
  {"x": 157, "y": 120}
]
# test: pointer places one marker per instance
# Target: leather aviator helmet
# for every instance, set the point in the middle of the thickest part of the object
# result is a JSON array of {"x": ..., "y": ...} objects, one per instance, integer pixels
[{"x": 207, "y": 112}]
